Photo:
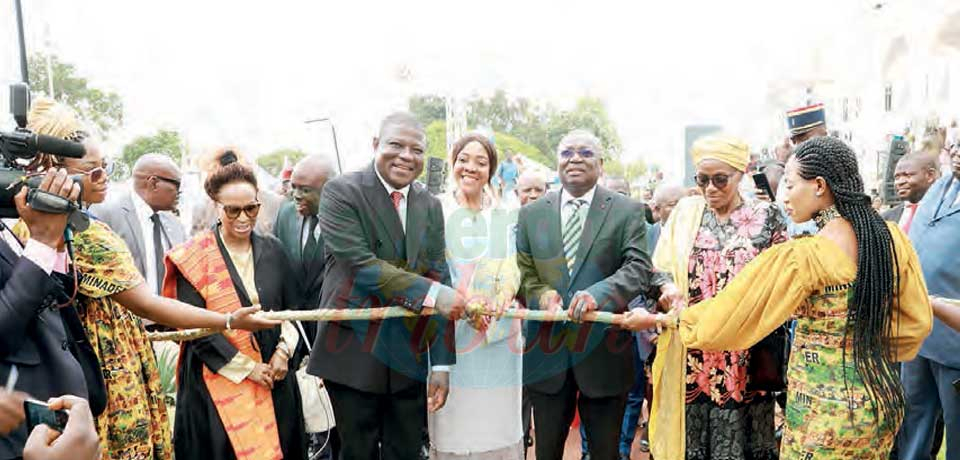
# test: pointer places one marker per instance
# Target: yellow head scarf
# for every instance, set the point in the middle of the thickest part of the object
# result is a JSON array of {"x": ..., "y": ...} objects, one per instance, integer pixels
[{"x": 727, "y": 149}]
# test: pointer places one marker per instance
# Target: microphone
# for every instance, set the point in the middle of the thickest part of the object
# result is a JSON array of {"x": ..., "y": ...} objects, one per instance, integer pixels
[{"x": 56, "y": 146}]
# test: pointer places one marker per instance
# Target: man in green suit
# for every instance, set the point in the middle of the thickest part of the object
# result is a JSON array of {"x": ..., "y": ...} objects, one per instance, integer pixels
[{"x": 298, "y": 230}]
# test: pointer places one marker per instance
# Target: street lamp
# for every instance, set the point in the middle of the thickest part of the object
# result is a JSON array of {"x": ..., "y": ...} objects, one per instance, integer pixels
[{"x": 333, "y": 130}]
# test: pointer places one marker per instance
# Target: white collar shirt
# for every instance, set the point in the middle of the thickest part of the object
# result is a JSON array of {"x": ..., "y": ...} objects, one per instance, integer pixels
[
  {"x": 144, "y": 211},
  {"x": 402, "y": 209},
  {"x": 566, "y": 209}
]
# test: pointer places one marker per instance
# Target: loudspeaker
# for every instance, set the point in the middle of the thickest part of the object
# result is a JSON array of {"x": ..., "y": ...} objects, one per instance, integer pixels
[
  {"x": 898, "y": 148},
  {"x": 436, "y": 175}
]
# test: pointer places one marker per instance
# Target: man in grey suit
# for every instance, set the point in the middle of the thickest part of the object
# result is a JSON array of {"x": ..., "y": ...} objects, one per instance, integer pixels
[
  {"x": 583, "y": 248},
  {"x": 143, "y": 218}
]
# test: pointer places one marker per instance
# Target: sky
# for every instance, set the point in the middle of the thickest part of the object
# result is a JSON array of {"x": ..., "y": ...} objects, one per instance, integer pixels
[{"x": 250, "y": 73}]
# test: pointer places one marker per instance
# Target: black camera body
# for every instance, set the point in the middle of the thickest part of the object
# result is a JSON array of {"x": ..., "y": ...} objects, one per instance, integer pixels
[{"x": 22, "y": 145}]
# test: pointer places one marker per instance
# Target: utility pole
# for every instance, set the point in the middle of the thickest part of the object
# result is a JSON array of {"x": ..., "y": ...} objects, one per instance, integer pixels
[
  {"x": 23, "y": 43},
  {"x": 333, "y": 130}
]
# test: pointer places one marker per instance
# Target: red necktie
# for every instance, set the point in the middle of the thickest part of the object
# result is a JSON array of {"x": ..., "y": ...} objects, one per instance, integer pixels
[
  {"x": 912, "y": 209},
  {"x": 395, "y": 197}
]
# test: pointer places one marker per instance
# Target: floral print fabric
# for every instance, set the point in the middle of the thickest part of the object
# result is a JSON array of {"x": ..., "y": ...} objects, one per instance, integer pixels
[{"x": 724, "y": 420}]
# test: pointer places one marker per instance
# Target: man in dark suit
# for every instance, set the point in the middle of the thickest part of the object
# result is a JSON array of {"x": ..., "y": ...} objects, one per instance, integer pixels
[
  {"x": 34, "y": 338},
  {"x": 384, "y": 239},
  {"x": 914, "y": 175},
  {"x": 584, "y": 248},
  {"x": 297, "y": 227}
]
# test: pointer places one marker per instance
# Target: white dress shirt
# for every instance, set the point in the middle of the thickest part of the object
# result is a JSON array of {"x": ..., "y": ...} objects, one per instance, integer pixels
[
  {"x": 567, "y": 211},
  {"x": 303, "y": 234},
  {"x": 402, "y": 209},
  {"x": 144, "y": 212}
]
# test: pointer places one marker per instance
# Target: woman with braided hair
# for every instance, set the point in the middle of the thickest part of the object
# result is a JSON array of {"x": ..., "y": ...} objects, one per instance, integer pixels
[{"x": 861, "y": 305}]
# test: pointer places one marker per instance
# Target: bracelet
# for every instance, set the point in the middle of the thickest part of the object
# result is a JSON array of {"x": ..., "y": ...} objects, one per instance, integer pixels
[{"x": 229, "y": 320}]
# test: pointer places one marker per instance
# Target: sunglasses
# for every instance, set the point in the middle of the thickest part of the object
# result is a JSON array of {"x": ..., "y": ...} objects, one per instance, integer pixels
[
  {"x": 98, "y": 174},
  {"x": 232, "y": 212},
  {"x": 720, "y": 181},
  {"x": 584, "y": 153},
  {"x": 174, "y": 182}
]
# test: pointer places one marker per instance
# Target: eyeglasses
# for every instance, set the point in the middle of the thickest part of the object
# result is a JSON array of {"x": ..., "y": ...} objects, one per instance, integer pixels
[
  {"x": 584, "y": 153},
  {"x": 232, "y": 212},
  {"x": 97, "y": 174},
  {"x": 720, "y": 181}
]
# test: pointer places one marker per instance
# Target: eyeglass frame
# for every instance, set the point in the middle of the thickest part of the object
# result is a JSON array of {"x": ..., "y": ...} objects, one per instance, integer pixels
[
  {"x": 246, "y": 209},
  {"x": 584, "y": 153},
  {"x": 719, "y": 180},
  {"x": 106, "y": 167}
]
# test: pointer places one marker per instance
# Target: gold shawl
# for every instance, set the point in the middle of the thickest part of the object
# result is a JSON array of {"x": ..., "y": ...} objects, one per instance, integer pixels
[{"x": 672, "y": 255}]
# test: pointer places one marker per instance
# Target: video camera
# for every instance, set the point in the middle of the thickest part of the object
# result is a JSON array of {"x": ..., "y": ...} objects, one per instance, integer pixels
[{"x": 21, "y": 145}]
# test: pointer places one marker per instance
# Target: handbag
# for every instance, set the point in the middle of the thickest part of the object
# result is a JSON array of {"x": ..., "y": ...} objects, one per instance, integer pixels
[
  {"x": 317, "y": 409},
  {"x": 767, "y": 368}
]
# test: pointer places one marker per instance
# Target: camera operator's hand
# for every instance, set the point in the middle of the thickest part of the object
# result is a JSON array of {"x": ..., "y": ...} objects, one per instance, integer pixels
[
  {"x": 78, "y": 441},
  {"x": 44, "y": 227},
  {"x": 11, "y": 410}
]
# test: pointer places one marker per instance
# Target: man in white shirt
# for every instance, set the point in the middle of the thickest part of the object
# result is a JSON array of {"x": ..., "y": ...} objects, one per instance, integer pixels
[{"x": 144, "y": 219}]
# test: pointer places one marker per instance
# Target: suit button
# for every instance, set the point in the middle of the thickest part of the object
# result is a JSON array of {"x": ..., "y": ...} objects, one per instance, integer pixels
[{"x": 65, "y": 345}]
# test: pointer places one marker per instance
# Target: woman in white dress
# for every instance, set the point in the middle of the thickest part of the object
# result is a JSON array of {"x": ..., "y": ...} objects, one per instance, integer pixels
[{"x": 481, "y": 418}]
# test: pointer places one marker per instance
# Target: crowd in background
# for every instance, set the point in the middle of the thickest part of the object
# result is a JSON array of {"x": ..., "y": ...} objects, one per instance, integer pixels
[{"x": 714, "y": 283}]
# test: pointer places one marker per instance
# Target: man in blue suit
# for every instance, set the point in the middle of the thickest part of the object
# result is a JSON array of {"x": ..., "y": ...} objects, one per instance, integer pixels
[{"x": 928, "y": 379}]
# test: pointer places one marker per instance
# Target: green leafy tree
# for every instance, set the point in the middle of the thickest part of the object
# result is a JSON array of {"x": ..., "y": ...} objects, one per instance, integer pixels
[
  {"x": 542, "y": 126},
  {"x": 103, "y": 108},
  {"x": 428, "y": 108},
  {"x": 166, "y": 142},
  {"x": 630, "y": 171},
  {"x": 509, "y": 144},
  {"x": 273, "y": 161}
]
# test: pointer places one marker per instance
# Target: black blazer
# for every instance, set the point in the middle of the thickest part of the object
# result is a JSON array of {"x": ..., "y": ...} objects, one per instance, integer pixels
[
  {"x": 893, "y": 214},
  {"x": 197, "y": 422},
  {"x": 33, "y": 337},
  {"x": 372, "y": 262},
  {"x": 612, "y": 265}
]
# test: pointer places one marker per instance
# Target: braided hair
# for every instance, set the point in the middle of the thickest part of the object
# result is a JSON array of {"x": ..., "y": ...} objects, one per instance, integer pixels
[{"x": 875, "y": 289}]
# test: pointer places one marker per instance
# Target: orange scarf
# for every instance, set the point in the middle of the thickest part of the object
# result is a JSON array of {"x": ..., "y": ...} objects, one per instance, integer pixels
[{"x": 245, "y": 409}]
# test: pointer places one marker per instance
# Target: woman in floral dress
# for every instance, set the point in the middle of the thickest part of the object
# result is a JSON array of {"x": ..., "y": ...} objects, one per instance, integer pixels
[{"x": 723, "y": 419}]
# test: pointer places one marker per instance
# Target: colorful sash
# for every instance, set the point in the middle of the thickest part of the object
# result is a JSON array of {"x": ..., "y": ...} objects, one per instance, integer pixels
[{"x": 245, "y": 409}]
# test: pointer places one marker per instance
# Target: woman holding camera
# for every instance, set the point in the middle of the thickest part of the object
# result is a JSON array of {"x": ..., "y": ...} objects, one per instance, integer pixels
[{"x": 111, "y": 296}]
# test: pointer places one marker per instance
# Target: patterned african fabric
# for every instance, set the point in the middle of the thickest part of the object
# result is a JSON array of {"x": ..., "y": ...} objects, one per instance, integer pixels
[
  {"x": 245, "y": 408},
  {"x": 135, "y": 424},
  {"x": 830, "y": 415}
]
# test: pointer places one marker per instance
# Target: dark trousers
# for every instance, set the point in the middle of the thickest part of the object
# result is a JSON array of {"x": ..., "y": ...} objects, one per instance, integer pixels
[
  {"x": 631, "y": 414},
  {"x": 379, "y": 426},
  {"x": 929, "y": 390},
  {"x": 553, "y": 413}
]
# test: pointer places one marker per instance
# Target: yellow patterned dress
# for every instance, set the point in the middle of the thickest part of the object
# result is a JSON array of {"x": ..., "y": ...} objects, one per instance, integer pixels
[
  {"x": 135, "y": 425},
  {"x": 810, "y": 279}
]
